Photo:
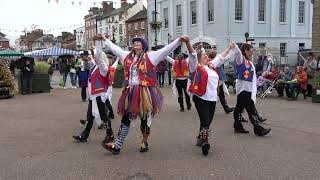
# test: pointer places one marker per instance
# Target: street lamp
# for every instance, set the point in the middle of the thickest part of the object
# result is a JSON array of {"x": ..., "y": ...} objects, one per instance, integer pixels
[{"x": 155, "y": 25}]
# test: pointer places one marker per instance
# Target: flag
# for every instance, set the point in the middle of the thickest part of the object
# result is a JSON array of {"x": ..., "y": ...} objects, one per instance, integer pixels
[
  {"x": 57, "y": 1},
  {"x": 48, "y": 1}
]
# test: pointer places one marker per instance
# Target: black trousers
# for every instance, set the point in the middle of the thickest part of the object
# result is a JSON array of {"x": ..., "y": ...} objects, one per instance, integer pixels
[
  {"x": 244, "y": 101},
  {"x": 309, "y": 90},
  {"x": 161, "y": 79},
  {"x": 182, "y": 89},
  {"x": 222, "y": 98},
  {"x": 103, "y": 116},
  {"x": 84, "y": 93},
  {"x": 26, "y": 85},
  {"x": 205, "y": 111},
  {"x": 145, "y": 129}
]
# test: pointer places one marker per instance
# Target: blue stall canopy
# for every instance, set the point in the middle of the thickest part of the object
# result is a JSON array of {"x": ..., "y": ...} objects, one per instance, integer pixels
[{"x": 54, "y": 51}]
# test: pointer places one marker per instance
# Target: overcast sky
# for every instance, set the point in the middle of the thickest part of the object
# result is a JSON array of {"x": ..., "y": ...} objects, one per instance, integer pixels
[{"x": 20, "y": 14}]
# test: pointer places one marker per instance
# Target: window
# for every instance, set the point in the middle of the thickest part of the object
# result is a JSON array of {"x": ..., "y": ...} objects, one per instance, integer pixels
[
  {"x": 262, "y": 45},
  {"x": 179, "y": 19},
  {"x": 301, "y": 12},
  {"x": 262, "y": 10},
  {"x": 283, "y": 47},
  {"x": 301, "y": 46},
  {"x": 193, "y": 8},
  {"x": 238, "y": 10},
  {"x": 282, "y": 11},
  {"x": 121, "y": 38},
  {"x": 136, "y": 26},
  {"x": 120, "y": 29},
  {"x": 129, "y": 27},
  {"x": 166, "y": 17},
  {"x": 143, "y": 25},
  {"x": 210, "y": 10}
]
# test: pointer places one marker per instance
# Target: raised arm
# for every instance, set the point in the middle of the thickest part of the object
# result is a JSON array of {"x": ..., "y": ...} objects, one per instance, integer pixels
[
  {"x": 116, "y": 50},
  {"x": 224, "y": 56},
  {"x": 192, "y": 60},
  {"x": 161, "y": 54},
  {"x": 238, "y": 55},
  {"x": 100, "y": 58}
]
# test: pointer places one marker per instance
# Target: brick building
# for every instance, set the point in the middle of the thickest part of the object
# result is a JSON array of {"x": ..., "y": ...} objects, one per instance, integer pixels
[
  {"x": 316, "y": 27},
  {"x": 4, "y": 42},
  {"x": 136, "y": 26},
  {"x": 91, "y": 26}
]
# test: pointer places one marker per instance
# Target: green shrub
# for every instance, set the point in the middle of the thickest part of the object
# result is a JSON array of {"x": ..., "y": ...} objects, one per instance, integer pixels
[
  {"x": 41, "y": 68},
  {"x": 119, "y": 77}
]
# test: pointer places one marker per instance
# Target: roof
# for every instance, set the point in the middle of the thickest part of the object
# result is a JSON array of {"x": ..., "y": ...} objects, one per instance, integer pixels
[
  {"x": 3, "y": 35},
  {"x": 140, "y": 15},
  {"x": 47, "y": 38},
  {"x": 117, "y": 11}
]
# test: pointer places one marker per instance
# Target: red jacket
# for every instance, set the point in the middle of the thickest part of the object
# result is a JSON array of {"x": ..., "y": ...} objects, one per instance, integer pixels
[{"x": 199, "y": 81}]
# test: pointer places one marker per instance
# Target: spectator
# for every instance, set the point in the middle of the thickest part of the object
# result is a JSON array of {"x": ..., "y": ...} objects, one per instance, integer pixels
[
  {"x": 284, "y": 77},
  {"x": 161, "y": 69},
  {"x": 50, "y": 70},
  {"x": 27, "y": 73},
  {"x": 73, "y": 73},
  {"x": 300, "y": 81},
  {"x": 310, "y": 66}
]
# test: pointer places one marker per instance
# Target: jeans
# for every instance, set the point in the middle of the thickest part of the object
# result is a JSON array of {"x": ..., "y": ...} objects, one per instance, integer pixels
[{"x": 26, "y": 85}]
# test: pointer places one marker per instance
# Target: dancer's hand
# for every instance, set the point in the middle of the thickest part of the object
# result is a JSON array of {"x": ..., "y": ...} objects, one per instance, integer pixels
[
  {"x": 185, "y": 38},
  {"x": 100, "y": 37}
]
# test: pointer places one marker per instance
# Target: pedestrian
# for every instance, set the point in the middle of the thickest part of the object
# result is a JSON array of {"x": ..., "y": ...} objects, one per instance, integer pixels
[
  {"x": 204, "y": 88},
  {"x": 97, "y": 87},
  {"x": 85, "y": 67},
  {"x": 284, "y": 77},
  {"x": 140, "y": 97},
  {"x": 161, "y": 69},
  {"x": 27, "y": 74},
  {"x": 222, "y": 78},
  {"x": 73, "y": 72},
  {"x": 50, "y": 70},
  {"x": 246, "y": 89},
  {"x": 310, "y": 66}
]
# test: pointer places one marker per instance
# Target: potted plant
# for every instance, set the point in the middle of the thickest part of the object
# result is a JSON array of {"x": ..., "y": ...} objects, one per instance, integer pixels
[
  {"x": 7, "y": 87},
  {"x": 41, "y": 80}
]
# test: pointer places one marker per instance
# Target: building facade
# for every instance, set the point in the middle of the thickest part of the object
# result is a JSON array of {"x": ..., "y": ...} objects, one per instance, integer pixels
[
  {"x": 282, "y": 24},
  {"x": 113, "y": 24},
  {"x": 80, "y": 38},
  {"x": 46, "y": 41},
  {"x": 4, "y": 42},
  {"x": 136, "y": 26},
  {"x": 91, "y": 26}
]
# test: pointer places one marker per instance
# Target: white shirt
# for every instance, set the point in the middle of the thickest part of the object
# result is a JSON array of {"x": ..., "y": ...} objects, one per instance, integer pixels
[
  {"x": 213, "y": 77},
  {"x": 154, "y": 56}
]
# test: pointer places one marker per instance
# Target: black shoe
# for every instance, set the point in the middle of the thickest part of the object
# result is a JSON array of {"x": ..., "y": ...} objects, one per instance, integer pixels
[
  {"x": 189, "y": 106},
  {"x": 181, "y": 109},
  {"x": 261, "y": 119},
  {"x": 83, "y": 122},
  {"x": 144, "y": 147},
  {"x": 108, "y": 139},
  {"x": 240, "y": 131},
  {"x": 205, "y": 148},
  {"x": 261, "y": 131},
  {"x": 83, "y": 100},
  {"x": 111, "y": 147},
  {"x": 80, "y": 138},
  {"x": 199, "y": 142},
  {"x": 229, "y": 110},
  {"x": 111, "y": 116}
]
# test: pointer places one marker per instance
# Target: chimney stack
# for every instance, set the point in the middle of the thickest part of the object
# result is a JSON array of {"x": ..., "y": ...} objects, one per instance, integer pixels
[
  {"x": 107, "y": 6},
  {"x": 123, "y": 2}
]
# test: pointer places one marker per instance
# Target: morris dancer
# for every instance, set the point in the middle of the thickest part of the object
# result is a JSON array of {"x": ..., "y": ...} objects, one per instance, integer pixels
[
  {"x": 181, "y": 75},
  {"x": 97, "y": 87},
  {"x": 222, "y": 78},
  {"x": 246, "y": 89},
  {"x": 140, "y": 96}
]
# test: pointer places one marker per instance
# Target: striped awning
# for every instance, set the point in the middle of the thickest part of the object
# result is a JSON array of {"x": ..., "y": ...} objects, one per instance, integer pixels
[{"x": 54, "y": 51}]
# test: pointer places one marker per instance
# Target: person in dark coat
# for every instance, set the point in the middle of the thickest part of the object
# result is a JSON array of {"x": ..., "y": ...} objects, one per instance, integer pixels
[{"x": 27, "y": 73}]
